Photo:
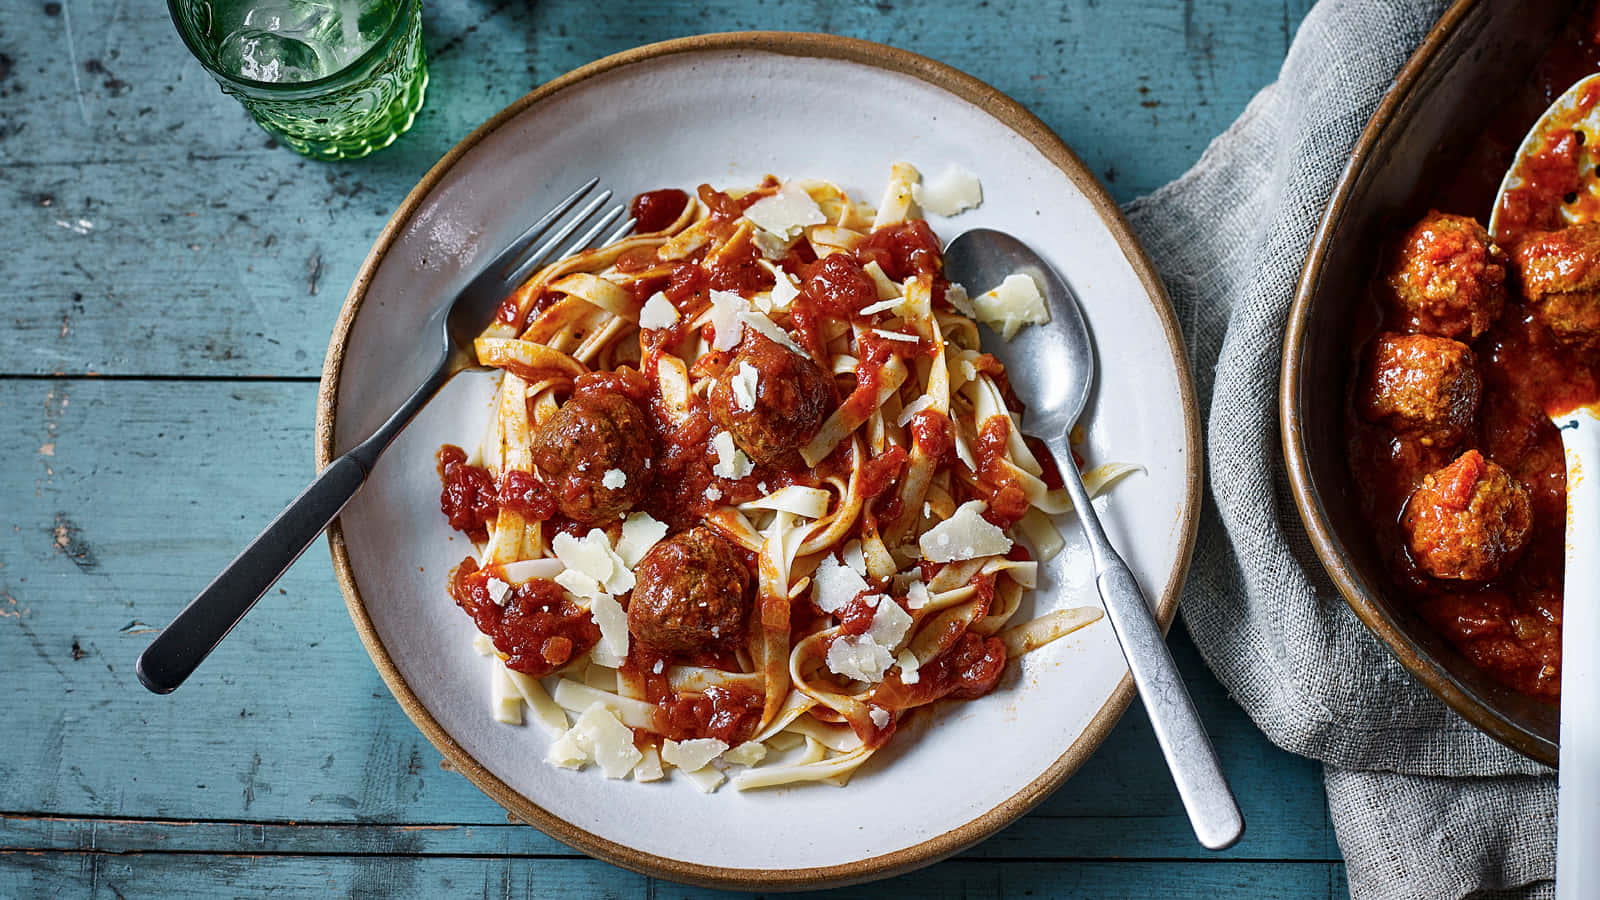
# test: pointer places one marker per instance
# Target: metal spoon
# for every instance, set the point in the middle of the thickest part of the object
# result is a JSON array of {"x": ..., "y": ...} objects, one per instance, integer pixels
[
  {"x": 1574, "y": 116},
  {"x": 1060, "y": 357}
]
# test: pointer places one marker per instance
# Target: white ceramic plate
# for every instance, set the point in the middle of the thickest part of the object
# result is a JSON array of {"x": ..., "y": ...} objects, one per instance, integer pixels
[{"x": 728, "y": 109}]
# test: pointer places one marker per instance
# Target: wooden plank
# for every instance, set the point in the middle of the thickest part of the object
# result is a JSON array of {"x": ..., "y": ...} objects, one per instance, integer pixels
[
  {"x": 244, "y": 876},
  {"x": 154, "y": 232},
  {"x": 141, "y": 497}
]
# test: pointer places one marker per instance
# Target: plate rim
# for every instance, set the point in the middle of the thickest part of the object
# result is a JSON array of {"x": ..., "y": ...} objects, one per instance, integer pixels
[{"x": 1012, "y": 115}]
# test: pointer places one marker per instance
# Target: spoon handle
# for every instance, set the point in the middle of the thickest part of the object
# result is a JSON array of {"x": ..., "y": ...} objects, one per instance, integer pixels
[
  {"x": 1193, "y": 761},
  {"x": 1578, "y": 797}
]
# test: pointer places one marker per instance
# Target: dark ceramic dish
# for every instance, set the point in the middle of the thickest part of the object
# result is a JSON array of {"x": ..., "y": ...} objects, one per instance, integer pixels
[{"x": 1463, "y": 72}]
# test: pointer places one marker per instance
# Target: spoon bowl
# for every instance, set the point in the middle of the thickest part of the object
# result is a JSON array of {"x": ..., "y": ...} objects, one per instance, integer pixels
[
  {"x": 1058, "y": 356},
  {"x": 1059, "y": 352}
]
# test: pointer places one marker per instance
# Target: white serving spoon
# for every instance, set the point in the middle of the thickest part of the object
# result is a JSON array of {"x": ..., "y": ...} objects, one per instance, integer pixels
[{"x": 1578, "y": 805}]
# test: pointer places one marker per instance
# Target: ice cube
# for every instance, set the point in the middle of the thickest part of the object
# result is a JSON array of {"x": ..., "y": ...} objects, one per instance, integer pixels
[{"x": 265, "y": 56}]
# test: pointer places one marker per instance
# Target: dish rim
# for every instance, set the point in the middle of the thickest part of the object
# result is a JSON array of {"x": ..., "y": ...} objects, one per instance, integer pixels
[
  {"x": 964, "y": 87},
  {"x": 1308, "y": 500}
]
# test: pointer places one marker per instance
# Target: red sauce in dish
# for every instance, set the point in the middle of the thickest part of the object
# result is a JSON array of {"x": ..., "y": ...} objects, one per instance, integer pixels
[
  {"x": 469, "y": 498},
  {"x": 1510, "y": 625},
  {"x": 537, "y": 628},
  {"x": 654, "y": 210}
]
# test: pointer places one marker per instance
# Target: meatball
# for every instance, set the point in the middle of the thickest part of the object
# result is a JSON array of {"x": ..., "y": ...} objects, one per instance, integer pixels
[
  {"x": 1469, "y": 520},
  {"x": 1448, "y": 278},
  {"x": 1561, "y": 280},
  {"x": 690, "y": 594},
  {"x": 1422, "y": 386},
  {"x": 789, "y": 400},
  {"x": 594, "y": 454}
]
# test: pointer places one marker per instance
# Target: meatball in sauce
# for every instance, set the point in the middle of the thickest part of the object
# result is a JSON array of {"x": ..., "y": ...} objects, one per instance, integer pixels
[
  {"x": 595, "y": 456},
  {"x": 1448, "y": 278},
  {"x": 790, "y": 398},
  {"x": 1469, "y": 520},
  {"x": 1423, "y": 386},
  {"x": 692, "y": 594},
  {"x": 1561, "y": 281}
]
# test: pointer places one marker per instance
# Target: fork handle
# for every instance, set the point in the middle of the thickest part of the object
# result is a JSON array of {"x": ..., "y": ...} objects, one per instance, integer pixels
[
  {"x": 1192, "y": 759},
  {"x": 196, "y": 631}
]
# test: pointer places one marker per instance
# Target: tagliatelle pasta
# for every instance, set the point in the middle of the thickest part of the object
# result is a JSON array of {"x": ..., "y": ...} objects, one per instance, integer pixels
[{"x": 751, "y": 490}]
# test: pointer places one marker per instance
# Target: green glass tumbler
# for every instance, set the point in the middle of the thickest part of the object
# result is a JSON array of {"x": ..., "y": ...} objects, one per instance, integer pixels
[{"x": 332, "y": 79}]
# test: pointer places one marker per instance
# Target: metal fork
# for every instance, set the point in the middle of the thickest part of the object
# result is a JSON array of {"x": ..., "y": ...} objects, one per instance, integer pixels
[{"x": 201, "y": 626}]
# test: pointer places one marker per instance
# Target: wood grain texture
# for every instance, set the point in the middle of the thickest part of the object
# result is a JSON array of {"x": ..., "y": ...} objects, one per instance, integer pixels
[
  {"x": 168, "y": 280},
  {"x": 133, "y": 184},
  {"x": 247, "y": 876}
]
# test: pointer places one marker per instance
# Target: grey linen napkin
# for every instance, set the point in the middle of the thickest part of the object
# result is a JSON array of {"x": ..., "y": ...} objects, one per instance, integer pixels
[{"x": 1423, "y": 804}]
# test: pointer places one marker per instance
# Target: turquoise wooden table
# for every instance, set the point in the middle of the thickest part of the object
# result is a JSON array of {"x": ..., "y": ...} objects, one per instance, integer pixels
[{"x": 169, "y": 280}]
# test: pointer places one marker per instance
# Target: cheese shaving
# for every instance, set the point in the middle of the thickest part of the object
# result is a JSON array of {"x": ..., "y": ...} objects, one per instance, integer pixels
[
  {"x": 953, "y": 191},
  {"x": 1012, "y": 304},
  {"x": 965, "y": 535},
  {"x": 726, "y": 308},
  {"x": 785, "y": 213},
  {"x": 658, "y": 312}
]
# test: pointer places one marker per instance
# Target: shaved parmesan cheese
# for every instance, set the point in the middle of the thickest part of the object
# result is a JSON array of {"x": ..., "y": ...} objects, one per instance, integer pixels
[
  {"x": 613, "y": 622},
  {"x": 956, "y": 296},
  {"x": 649, "y": 767},
  {"x": 713, "y": 493},
  {"x": 909, "y": 666},
  {"x": 590, "y": 559},
  {"x": 917, "y": 595},
  {"x": 965, "y": 535},
  {"x": 744, "y": 383},
  {"x": 497, "y": 590},
  {"x": 785, "y": 213},
  {"x": 889, "y": 624},
  {"x": 731, "y": 461},
  {"x": 693, "y": 754},
  {"x": 879, "y": 717},
  {"x": 613, "y": 479},
  {"x": 812, "y": 503},
  {"x": 746, "y": 754},
  {"x": 881, "y": 306},
  {"x": 854, "y": 558},
  {"x": 859, "y": 658},
  {"x": 784, "y": 290},
  {"x": 895, "y": 335},
  {"x": 579, "y": 584},
  {"x": 605, "y": 740},
  {"x": 640, "y": 532},
  {"x": 726, "y": 307},
  {"x": 771, "y": 331},
  {"x": 658, "y": 312},
  {"x": 1014, "y": 303},
  {"x": 833, "y": 585},
  {"x": 772, "y": 246},
  {"x": 567, "y": 753},
  {"x": 706, "y": 779},
  {"x": 953, "y": 191}
]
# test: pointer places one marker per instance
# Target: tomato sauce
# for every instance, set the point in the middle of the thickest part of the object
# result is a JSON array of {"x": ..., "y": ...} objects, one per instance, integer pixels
[
  {"x": 654, "y": 210},
  {"x": 537, "y": 628},
  {"x": 469, "y": 498}
]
